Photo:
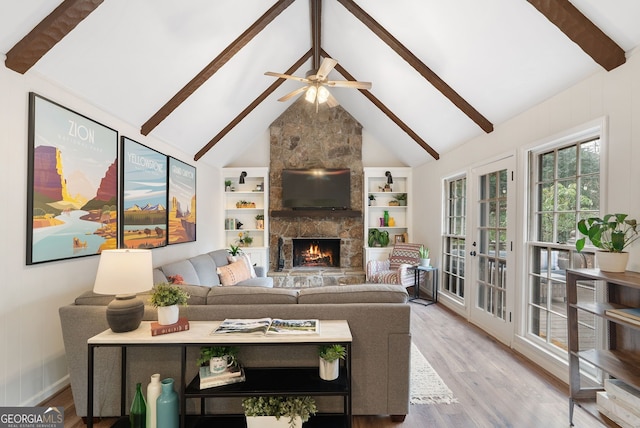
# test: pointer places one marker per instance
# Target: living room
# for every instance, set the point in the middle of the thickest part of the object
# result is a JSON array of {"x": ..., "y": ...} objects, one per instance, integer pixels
[{"x": 37, "y": 367}]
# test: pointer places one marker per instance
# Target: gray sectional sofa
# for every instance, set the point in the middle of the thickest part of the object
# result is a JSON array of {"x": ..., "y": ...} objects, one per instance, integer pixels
[{"x": 378, "y": 316}]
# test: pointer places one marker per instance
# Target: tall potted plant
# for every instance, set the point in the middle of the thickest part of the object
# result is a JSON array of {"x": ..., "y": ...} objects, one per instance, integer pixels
[
  {"x": 612, "y": 234},
  {"x": 278, "y": 412},
  {"x": 166, "y": 297}
]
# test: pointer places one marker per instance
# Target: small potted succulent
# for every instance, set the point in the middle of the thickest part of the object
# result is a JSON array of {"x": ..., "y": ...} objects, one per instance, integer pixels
[
  {"x": 423, "y": 252},
  {"x": 372, "y": 200},
  {"x": 166, "y": 297},
  {"x": 227, "y": 185},
  {"x": 330, "y": 356},
  {"x": 274, "y": 412},
  {"x": 260, "y": 221},
  {"x": 612, "y": 234},
  {"x": 401, "y": 198}
]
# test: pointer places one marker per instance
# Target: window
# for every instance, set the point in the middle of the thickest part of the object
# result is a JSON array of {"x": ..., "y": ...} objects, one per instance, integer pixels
[
  {"x": 454, "y": 237},
  {"x": 565, "y": 188}
]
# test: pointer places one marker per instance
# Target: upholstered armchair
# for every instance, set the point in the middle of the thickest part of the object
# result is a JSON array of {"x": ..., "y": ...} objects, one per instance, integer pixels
[{"x": 394, "y": 270}]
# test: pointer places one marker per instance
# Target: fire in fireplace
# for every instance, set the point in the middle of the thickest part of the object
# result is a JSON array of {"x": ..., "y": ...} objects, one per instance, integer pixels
[{"x": 319, "y": 252}]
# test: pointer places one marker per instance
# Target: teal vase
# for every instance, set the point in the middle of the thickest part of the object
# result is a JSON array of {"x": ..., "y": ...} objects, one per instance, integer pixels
[
  {"x": 167, "y": 406},
  {"x": 138, "y": 411},
  {"x": 386, "y": 218}
]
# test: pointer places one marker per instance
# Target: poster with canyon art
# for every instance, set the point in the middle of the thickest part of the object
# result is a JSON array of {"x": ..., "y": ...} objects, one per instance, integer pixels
[
  {"x": 143, "y": 223},
  {"x": 72, "y": 186},
  {"x": 182, "y": 202}
]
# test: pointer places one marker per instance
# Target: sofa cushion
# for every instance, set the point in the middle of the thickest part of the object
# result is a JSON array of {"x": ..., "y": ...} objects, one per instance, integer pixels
[
  {"x": 197, "y": 294},
  {"x": 159, "y": 276},
  {"x": 259, "y": 281},
  {"x": 206, "y": 269},
  {"x": 234, "y": 273},
  {"x": 241, "y": 295},
  {"x": 183, "y": 268},
  {"x": 219, "y": 257},
  {"x": 358, "y": 293}
]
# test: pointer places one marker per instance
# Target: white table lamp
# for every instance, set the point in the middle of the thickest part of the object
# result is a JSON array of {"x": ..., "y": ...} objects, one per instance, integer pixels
[{"x": 124, "y": 273}]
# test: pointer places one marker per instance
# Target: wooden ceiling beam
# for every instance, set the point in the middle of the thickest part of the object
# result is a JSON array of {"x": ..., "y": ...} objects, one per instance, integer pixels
[
  {"x": 418, "y": 65},
  {"x": 215, "y": 65},
  {"x": 582, "y": 32},
  {"x": 48, "y": 33},
  {"x": 252, "y": 106},
  {"x": 388, "y": 112}
]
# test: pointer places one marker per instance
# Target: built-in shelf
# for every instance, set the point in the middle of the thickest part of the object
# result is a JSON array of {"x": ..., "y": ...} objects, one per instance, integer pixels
[{"x": 316, "y": 213}]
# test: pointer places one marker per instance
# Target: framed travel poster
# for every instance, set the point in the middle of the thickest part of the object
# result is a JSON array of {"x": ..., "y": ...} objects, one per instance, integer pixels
[
  {"x": 182, "y": 202},
  {"x": 143, "y": 222},
  {"x": 72, "y": 184}
]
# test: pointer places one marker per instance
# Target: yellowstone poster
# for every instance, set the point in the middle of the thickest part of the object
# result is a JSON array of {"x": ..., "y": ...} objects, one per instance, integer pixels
[
  {"x": 144, "y": 196},
  {"x": 72, "y": 184},
  {"x": 182, "y": 202}
]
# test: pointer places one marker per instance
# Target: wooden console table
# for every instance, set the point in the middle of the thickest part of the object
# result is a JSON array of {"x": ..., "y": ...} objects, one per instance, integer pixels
[{"x": 260, "y": 381}]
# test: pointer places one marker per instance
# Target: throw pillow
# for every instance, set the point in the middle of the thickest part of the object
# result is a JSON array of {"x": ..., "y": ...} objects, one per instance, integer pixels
[
  {"x": 246, "y": 259},
  {"x": 176, "y": 279},
  {"x": 234, "y": 273}
]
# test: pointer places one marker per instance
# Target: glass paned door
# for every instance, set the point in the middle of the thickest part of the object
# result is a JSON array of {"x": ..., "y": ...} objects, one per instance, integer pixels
[{"x": 492, "y": 251}]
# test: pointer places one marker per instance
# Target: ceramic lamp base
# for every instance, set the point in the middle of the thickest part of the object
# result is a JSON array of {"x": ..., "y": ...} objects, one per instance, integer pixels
[{"x": 125, "y": 313}]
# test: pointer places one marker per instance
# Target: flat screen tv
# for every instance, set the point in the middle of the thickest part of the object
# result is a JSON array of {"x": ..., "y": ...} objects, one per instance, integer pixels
[{"x": 316, "y": 188}]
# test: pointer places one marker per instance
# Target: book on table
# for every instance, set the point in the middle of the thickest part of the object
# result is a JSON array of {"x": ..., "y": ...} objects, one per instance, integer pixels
[
  {"x": 233, "y": 374},
  {"x": 262, "y": 326},
  {"x": 158, "y": 329},
  {"x": 631, "y": 315}
]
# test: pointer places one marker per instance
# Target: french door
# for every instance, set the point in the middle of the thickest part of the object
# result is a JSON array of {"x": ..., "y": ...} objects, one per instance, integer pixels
[{"x": 491, "y": 248}]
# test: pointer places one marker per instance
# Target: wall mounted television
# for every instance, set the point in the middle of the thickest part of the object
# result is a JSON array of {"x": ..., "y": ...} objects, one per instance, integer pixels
[{"x": 316, "y": 188}]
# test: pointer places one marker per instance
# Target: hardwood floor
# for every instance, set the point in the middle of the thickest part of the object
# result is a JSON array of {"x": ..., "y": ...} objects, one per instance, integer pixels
[{"x": 494, "y": 386}]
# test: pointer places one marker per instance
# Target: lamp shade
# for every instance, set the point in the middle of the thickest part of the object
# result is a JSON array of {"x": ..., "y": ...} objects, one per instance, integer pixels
[{"x": 125, "y": 271}]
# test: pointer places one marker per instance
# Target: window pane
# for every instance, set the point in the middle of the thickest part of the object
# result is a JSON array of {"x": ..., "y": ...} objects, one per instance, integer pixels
[
  {"x": 567, "y": 166},
  {"x": 590, "y": 157},
  {"x": 547, "y": 166}
]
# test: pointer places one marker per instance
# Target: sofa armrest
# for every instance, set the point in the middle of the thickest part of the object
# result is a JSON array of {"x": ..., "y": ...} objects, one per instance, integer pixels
[
  {"x": 376, "y": 266},
  {"x": 260, "y": 271}
]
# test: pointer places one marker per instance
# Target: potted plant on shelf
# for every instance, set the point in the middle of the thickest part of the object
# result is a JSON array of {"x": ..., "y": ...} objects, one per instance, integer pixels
[
  {"x": 227, "y": 185},
  {"x": 401, "y": 198},
  {"x": 260, "y": 221},
  {"x": 612, "y": 234},
  {"x": 244, "y": 239},
  {"x": 423, "y": 252},
  {"x": 378, "y": 238},
  {"x": 166, "y": 297},
  {"x": 372, "y": 200},
  {"x": 234, "y": 250},
  {"x": 275, "y": 412},
  {"x": 218, "y": 357},
  {"x": 330, "y": 356}
]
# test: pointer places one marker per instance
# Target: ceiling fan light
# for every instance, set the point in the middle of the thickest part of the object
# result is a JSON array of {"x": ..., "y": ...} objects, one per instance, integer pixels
[
  {"x": 323, "y": 94},
  {"x": 311, "y": 94}
]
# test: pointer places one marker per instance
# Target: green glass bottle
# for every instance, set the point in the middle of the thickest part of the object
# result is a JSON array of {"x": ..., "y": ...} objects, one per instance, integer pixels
[
  {"x": 138, "y": 412},
  {"x": 386, "y": 218}
]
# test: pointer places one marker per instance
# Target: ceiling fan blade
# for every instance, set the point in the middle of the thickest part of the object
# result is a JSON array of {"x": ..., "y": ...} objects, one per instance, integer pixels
[
  {"x": 326, "y": 66},
  {"x": 348, "y": 84},
  {"x": 332, "y": 102},
  {"x": 293, "y": 93},
  {"x": 286, "y": 76}
]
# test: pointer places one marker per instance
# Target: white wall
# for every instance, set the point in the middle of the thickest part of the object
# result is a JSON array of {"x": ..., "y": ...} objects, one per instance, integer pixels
[
  {"x": 613, "y": 95},
  {"x": 32, "y": 359}
]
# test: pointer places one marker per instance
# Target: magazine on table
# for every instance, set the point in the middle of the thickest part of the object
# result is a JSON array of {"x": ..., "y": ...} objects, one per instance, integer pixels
[{"x": 262, "y": 326}]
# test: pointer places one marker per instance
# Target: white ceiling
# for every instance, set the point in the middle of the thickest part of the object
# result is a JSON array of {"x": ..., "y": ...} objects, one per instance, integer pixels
[{"x": 502, "y": 56}]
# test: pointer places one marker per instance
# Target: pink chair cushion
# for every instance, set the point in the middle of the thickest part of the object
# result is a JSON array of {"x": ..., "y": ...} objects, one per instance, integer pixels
[{"x": 404, "y": 254}]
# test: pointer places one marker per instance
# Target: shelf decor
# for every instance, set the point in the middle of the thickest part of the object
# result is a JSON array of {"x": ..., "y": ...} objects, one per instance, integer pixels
[{"x": 72, "y": 184}]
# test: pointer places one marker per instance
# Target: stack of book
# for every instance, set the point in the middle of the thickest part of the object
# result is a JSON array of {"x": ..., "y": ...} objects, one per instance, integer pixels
[
  {"x": 620, "y": 403},
  {"x": 233, "y": 374},
  {"x": 158, "y": 329}
]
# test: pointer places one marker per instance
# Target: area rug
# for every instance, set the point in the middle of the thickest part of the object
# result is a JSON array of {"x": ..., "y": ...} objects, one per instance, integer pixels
[{"x": 426, "y": 387}]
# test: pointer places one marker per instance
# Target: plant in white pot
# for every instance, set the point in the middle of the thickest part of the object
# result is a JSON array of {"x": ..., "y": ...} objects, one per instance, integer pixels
[
  {"x": 278, "y": 412},
  {"x": 612, "y": 234},
  {"x": 219, "y": 358},
  {"x": 166, "y": 297},
  {"x": 330, "y": 356},
  {"x": 423, "y": 253}
]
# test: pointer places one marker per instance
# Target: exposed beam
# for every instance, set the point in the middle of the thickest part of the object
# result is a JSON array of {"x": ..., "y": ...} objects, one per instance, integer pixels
[
  {"x": 48, "y": 33},
  {"x": 582, "y": 32},
  {"x": 215, "y": 65},
  {"x": 388, "y": 112},
  {"x": 251, "y": 106},
  {"x": 316, "y": 31},
  {"x": 418, "y": 65}
]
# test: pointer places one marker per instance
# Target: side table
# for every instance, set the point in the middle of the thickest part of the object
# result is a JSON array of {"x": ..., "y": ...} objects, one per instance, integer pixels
[{"x": 429, "y": 271}]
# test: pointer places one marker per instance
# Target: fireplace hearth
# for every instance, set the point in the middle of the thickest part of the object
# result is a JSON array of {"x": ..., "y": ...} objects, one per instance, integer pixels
[{"x": 316, "y": 252}]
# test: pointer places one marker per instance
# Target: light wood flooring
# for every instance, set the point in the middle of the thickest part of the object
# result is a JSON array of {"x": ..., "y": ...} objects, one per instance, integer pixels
[{"x": 494, "y": 386}]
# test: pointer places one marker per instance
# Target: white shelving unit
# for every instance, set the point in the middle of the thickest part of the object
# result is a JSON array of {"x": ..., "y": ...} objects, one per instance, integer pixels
[
  {"x": 374, "y": 185},
  {"x": 255, "y": 191}
]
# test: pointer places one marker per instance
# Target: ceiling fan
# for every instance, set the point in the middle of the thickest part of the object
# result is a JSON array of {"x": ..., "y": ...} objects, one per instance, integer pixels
[{"x": 316, "y": 83}]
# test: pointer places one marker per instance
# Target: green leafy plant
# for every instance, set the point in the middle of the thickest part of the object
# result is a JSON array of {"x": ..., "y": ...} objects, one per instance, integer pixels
[
  {"x": 612, "y": 233},
  {"x": 234, "y": 250},
  {"x": 400, "y": 197},
  {"x": 289, "y": 407},
  {"x": 332, "y": 352},
  {"x": 372, "y": 197},
  {"x": 227, "y": 183},
  {"x": 423, "y": 252},
  {"x": 260, "y": 217},
  {"x": 165, "y": 294},
  {"x": 378, "y": 237},
  {"x": 209, "y": 352}
]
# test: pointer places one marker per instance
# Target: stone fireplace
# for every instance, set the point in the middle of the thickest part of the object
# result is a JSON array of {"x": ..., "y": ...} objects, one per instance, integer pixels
[
  {"x": 316, "y": 252},
  {"x": 302, "y": 138}
]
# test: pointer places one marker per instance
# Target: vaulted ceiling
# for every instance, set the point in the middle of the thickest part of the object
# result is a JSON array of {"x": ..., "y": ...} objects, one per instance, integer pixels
[{"x": 192, "y": 73}]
